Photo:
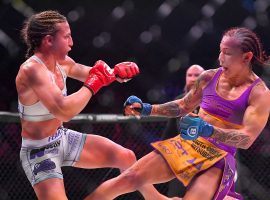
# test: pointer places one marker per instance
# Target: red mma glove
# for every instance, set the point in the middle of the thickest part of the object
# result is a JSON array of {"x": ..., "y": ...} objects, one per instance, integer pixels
[
  {"x": 99, "y": 75},
  {"x": 126, "y": 70}
]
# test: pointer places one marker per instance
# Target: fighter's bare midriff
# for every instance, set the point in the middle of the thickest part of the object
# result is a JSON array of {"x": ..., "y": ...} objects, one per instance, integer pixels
[{"x": 39, "y": 130}]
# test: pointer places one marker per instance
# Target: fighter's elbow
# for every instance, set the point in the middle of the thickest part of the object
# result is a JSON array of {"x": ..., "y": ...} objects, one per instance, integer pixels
[
  {"x": 61, "y": 113},
  {"x": 66, "y": 119},
  {"x": 63, "y": 116},
  {"x": 244, "y": 147},
  {"x": 246, "y": 143}
]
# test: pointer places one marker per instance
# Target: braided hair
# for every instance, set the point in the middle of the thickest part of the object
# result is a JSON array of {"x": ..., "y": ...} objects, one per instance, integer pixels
[
  {"x": 249, "y": 42},
  {"x": 38, "y": 26}
]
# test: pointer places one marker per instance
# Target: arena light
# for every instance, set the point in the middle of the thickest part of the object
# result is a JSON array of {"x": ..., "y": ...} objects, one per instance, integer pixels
[
  {"x": 261, "y": 7},
  {"x": 156, "y": 94},
  {"x": 167, "y": 7},
  {"x": 205, "y": 24},
  {"x": 178, "y": 62},
  {"x": 261, "y": 17},
  {"x": 153, "y": 33},
  {"x": 146, "y": 37},
  {"x": 120, "y": 11},
  {"x": 250, "y": 22},
  {"x": 102, "y": 39},
  {"x": 117, "y": 13},
  {"x": 9, "y": 44},
  {"x": 219, "y": 2},
  {"x": 22, "y": 8},
  {"x": 76, "y": 14},
  {"x": 208, "y": 10},
  {"x": 174, "y": 65}
]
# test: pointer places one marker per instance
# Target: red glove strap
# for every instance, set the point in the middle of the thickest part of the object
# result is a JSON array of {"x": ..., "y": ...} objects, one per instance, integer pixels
[
  {"x": 100, "y": 75},
  {"x": 93, "y": 83}
]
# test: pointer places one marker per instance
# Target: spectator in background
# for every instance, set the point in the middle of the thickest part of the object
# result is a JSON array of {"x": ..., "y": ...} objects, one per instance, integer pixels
[{"x": 175, "y": 187}]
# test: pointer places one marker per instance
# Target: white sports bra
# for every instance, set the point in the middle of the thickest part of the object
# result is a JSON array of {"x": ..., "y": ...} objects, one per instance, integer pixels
[{"x": 38, "y": 112}]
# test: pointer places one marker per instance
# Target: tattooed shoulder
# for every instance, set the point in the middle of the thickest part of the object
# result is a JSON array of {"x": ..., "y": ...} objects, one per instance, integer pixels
[
  {"x": 202, "y": 80},
  {"x": 206, "y": 76}
]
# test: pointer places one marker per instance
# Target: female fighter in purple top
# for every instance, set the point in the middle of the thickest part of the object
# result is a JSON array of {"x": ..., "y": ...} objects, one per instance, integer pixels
[{"x": 234, "y": 109}]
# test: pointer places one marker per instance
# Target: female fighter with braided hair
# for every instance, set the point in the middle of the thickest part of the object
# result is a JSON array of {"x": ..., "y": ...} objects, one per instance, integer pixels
[
  {"x": 234, "y": 108},
  {"x": 44, "y": 105}
]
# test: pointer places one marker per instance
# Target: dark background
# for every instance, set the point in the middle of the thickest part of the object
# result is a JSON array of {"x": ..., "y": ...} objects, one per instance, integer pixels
[{"x": 162, "y": 37}]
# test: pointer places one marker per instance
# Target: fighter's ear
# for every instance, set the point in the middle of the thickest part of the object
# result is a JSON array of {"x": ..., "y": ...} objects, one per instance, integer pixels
[
  {"x": 247, "y": 56},
  {"x": 47, "y": 40}
]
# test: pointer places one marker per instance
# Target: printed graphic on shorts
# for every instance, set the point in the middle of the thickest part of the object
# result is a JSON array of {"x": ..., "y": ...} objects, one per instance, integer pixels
[
  {"x": 206, "y": 151},
  {"x": 178, "y": 145},
  {"x": 187, "y": 158},
  {"x": 44, "y": 166},
  {"x": 193, "y": 163},
  {"x": 55, "y": 136},
  {"x": 228, "y": 177},
  {"x": 73, "y": 140},
  {"x": 52, "y": 148}
]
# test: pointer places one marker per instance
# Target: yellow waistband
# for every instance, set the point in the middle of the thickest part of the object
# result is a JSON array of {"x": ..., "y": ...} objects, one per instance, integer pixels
[{"x": 221, "y": 120}]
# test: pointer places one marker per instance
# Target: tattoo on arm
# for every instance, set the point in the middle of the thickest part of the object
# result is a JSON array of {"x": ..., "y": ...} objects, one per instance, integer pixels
[
  {"x": 194, "y": 96},
  {"x": 170, "y": 109},
  {"x": 189, "y": 98},
  {"x": 232, "y": 137},
  {"x": 186, "y": 104}
]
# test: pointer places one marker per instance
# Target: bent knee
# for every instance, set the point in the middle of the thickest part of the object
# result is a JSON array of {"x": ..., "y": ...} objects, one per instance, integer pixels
[
  {"x": 133, "y": 178},
  {"x": 127, "y": 158}
]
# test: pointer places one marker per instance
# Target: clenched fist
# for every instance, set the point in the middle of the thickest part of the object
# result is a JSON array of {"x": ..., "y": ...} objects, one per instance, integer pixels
[
  {"x": 99, "y": 75},
  {"x": 125, "y": 71}
]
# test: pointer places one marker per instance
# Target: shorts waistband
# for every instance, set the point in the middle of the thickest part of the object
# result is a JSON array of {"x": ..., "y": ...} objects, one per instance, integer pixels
[
  {"x": 229, "y": 149},
  {"x": 39, "y": 143}
]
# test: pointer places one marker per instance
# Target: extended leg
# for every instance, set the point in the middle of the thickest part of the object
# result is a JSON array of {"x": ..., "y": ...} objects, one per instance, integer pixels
[{"x": 150, "y": 169}]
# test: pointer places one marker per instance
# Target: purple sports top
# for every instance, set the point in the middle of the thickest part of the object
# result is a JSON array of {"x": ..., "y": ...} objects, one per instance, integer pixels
[
  {"x": 231, "y": 111},
  {"x": 228, "y": 110}
]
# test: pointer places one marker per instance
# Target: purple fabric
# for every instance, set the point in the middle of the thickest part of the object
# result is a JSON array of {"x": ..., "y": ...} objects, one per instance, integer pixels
[
  {"x": 220, "y": 164},
  {"x": 226, "y": 186},
  {"x": 220, "y": 145},
  {"x": 229, "y": 110},
  {"x": 228, "y": 166}
]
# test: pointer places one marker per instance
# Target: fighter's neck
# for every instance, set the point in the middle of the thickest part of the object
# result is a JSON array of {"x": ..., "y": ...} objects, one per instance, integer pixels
[
  {"x": 240, "y": 79},
  {"x": 49, "y": 61}
]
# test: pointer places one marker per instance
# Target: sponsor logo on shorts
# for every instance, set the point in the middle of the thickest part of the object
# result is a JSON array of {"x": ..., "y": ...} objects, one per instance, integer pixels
[
  {"x": 180, "y": 147},
  {"x": 205, "y": 151},
  {"x": 55, "y": 136},
  {"x": 44, "y": 165},
  {"x": 44, "y": 150}
]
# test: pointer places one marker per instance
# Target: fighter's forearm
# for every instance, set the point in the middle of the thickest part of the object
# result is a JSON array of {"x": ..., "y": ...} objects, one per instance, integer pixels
[
  {"x": 232, "y": 137},
  {"x": 185, "y": 105},
  {"x": 170, "y": 109}
]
